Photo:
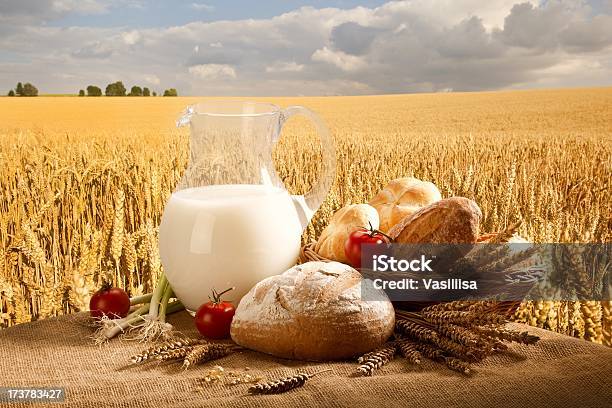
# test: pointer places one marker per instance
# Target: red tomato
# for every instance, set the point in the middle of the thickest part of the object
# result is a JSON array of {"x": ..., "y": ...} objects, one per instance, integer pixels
[
  {"x": 110, "y": 302},
  {"x": 213, "y": 319},
  {"x": 352, "y": 246}
]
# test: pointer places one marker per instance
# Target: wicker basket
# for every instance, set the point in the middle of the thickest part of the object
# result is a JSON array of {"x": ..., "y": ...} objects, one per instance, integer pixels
[{"x": 308, "y": 253}]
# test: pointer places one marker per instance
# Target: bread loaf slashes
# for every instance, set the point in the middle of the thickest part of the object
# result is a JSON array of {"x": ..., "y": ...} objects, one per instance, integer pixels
[
  {"x": 454, "y": 220},
  {"x": 313, "y": 311}
]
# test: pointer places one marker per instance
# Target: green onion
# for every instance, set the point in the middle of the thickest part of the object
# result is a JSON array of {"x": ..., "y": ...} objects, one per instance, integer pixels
[
  {"x": 141, "y": 299},
  {"x": 148, "y": 321}
]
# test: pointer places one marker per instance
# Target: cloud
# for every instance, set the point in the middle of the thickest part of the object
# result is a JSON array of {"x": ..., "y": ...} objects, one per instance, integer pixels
[
  {"x": 81, "y": 6},
  {"x": 468, "y": 39},
  {"x": 587, "y": 36},
  {"x": 94, "y": 50},
  {"x": 352, "y": 38},
  {"x": 131, "y": 37},
  {"x": 400, "y": 46},
  {"x": 212, "y": 71},
  {"x": 534, "y": 27},
  {"x": 340, "y": 59},
  {"x": 281, "y": 66},
  {"x": 202, "y": 7},
  {"x": 34, "y": 11},
  {"x": 556, "y": 26},
  {"x": 152, "y": 79},
  {"x": 37, "y": 7}
]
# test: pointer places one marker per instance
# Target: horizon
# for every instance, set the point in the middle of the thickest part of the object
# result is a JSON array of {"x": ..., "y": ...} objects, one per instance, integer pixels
[
  {"x": 560, "y": 89},
  {"x": 332, "y": 47}
]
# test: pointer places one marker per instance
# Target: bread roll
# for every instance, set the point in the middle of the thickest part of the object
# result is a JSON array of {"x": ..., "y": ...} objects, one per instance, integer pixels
[
  {"x": 403, "y": 197},
  {"x": 313, "y": 311},
  {"x": 346, "y": 220},
  {"x": 453, "y": 220}
]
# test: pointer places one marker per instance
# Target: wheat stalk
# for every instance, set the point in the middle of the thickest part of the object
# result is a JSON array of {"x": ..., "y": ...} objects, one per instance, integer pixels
[{"x": 116, "y": 245}]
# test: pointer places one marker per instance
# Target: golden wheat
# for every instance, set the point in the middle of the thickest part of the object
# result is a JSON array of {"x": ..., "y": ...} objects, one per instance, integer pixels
[{"x": 83, "y": 181}]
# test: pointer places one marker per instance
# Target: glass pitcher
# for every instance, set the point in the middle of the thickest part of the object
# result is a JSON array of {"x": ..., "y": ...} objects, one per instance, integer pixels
[{"x": 231, "y": 222}]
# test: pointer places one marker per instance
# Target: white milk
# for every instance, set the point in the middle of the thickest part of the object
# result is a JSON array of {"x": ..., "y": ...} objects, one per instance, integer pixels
[{"x": 228, "y": 235}]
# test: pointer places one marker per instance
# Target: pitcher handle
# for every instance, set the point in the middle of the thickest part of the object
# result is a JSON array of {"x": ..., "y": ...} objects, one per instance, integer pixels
[
  {"x": 310, "y": 202},
  {"x": 185, "y": 117}
]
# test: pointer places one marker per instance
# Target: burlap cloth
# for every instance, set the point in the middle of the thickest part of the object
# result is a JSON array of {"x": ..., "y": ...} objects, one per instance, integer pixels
[{"x": 559, "y": 372}]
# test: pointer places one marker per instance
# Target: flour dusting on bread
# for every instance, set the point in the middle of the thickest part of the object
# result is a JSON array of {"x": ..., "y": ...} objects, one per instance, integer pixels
[{"x": 313, "y": 311}]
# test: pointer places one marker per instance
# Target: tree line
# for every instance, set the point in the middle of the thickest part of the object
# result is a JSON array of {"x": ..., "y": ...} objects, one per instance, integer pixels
[
  {"x": 26, "y": 89},
  {"x": 114, "y": 89},
  {"x": 118, "y": 89}
]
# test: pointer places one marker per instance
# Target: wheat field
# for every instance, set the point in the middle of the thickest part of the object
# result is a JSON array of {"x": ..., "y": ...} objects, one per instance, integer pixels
[{"x": 84, "y": 181}]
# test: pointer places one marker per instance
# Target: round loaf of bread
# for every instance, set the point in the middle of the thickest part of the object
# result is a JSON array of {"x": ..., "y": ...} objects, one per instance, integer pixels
[
  {"x": 403, "y": 197},
  {"x": 314, "y": 311}
]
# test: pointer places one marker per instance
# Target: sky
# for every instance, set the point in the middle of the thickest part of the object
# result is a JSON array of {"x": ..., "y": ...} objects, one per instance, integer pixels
[{"x": 293, "y": 47}]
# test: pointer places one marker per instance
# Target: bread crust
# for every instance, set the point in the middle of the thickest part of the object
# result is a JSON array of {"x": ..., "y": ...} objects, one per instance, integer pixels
[
  {"x": 403, "y": 197},
  {"x": 346, "y": 220},
  {"x": 314, "y": 311},
  {"x": 454, "y": 220}
]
